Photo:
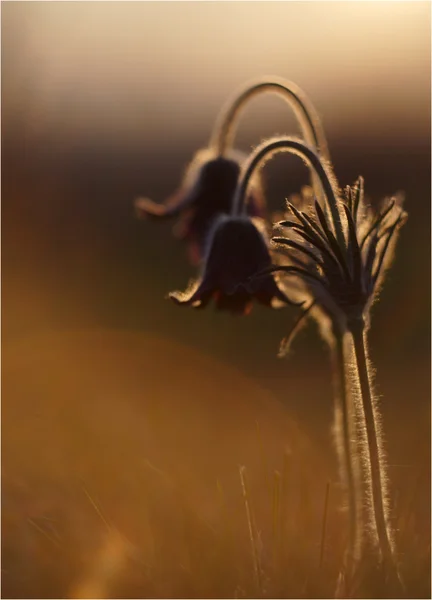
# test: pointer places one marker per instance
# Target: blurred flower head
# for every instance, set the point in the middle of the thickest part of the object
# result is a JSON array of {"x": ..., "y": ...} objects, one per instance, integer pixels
[
  {"x": 237, "y": 249},
  {"x": 207, "y": 190}
]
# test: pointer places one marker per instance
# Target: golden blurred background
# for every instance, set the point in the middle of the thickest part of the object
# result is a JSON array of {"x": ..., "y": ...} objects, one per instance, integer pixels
[{"x": 105, "y": 101}]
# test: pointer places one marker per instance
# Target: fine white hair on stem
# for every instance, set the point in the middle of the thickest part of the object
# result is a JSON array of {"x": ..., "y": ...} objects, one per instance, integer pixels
[
  {"x": 251, "y": 529},
  {"x": 222, "y": 138},
  {"x": 267, "y": 149},
  {"x": 374, "y": 461},
  {"x": 346, "y": 441},
  {"x": 347, "y": 293},
  {"x": 309, "y": 120}
]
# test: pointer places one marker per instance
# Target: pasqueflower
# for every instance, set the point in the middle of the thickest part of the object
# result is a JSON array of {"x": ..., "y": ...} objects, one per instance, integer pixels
[{"x": 237, "y": 249}]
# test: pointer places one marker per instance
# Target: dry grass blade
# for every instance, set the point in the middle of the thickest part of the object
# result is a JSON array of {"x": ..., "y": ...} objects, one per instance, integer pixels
[
  {"x": 43, "y": 532},
  {"x": 324, "y": 524},
  {"x": 276, "y": 513},
  {"x": 252, "y": 531}
]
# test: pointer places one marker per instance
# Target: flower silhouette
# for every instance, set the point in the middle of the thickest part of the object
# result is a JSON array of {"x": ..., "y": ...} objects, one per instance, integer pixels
[
  {"x": 210, "y": 181},
  {"x": 236, "y": 250},
  {"x": 206, "y": 191},
  {"x": 339, "y": 251},
  {"x": 342, "y": 281}
]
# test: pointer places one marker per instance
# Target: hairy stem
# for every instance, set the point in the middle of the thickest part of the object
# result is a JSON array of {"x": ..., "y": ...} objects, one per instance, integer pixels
[
  {"x": 305, "y": 112},
  {"x": 293, "y": 146},
  {"x": 308, "y": 118},
  {"x": 345, "y": 429},
  {"x": 376, "y": 474},
  {"x": 252, "y": 530}
]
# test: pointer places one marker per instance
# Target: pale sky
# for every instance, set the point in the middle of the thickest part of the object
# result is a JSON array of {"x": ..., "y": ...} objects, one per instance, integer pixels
[{"x": 129, "y": 67}]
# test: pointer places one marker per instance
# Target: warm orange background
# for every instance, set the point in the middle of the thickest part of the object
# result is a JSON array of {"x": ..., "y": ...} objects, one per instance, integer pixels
[{"x": 103, "y": 101}]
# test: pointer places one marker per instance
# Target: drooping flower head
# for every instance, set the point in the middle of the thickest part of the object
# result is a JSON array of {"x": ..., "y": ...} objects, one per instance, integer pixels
[
  {"x": 206, "y": 191},
  {"x": 210, "y": 181},
  {"x": 237, "y": 249}
]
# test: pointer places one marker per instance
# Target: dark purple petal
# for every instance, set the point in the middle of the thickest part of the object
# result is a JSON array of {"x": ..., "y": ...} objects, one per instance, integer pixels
[
  {"x": 207, "y": 191},
  {"x": 213, "y": 195},
  {"x": 237, "y": 250},
  {"x": 239, "y": 303}
]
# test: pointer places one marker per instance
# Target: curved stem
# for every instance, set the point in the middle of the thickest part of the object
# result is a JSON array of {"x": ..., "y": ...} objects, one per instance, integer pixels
[
  {"x": 310, "y": 123},
  {"x": 308, "y": 118},
  {"x": 347, "y": 446},
  {"x": 376, "y": 473},
  {"x": 286, "y": 144}
]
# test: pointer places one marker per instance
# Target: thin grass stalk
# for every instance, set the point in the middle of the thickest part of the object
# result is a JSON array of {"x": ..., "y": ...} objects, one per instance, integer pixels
[
  {"x": 252, "y": 531},
  {"x": 324, "y": 525},
  {"x": 285, "y": 526},
  {"x": 377, "y": 467},
  {"x": 276, "y": 514},
  {"x": 261, "y": 447}
]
